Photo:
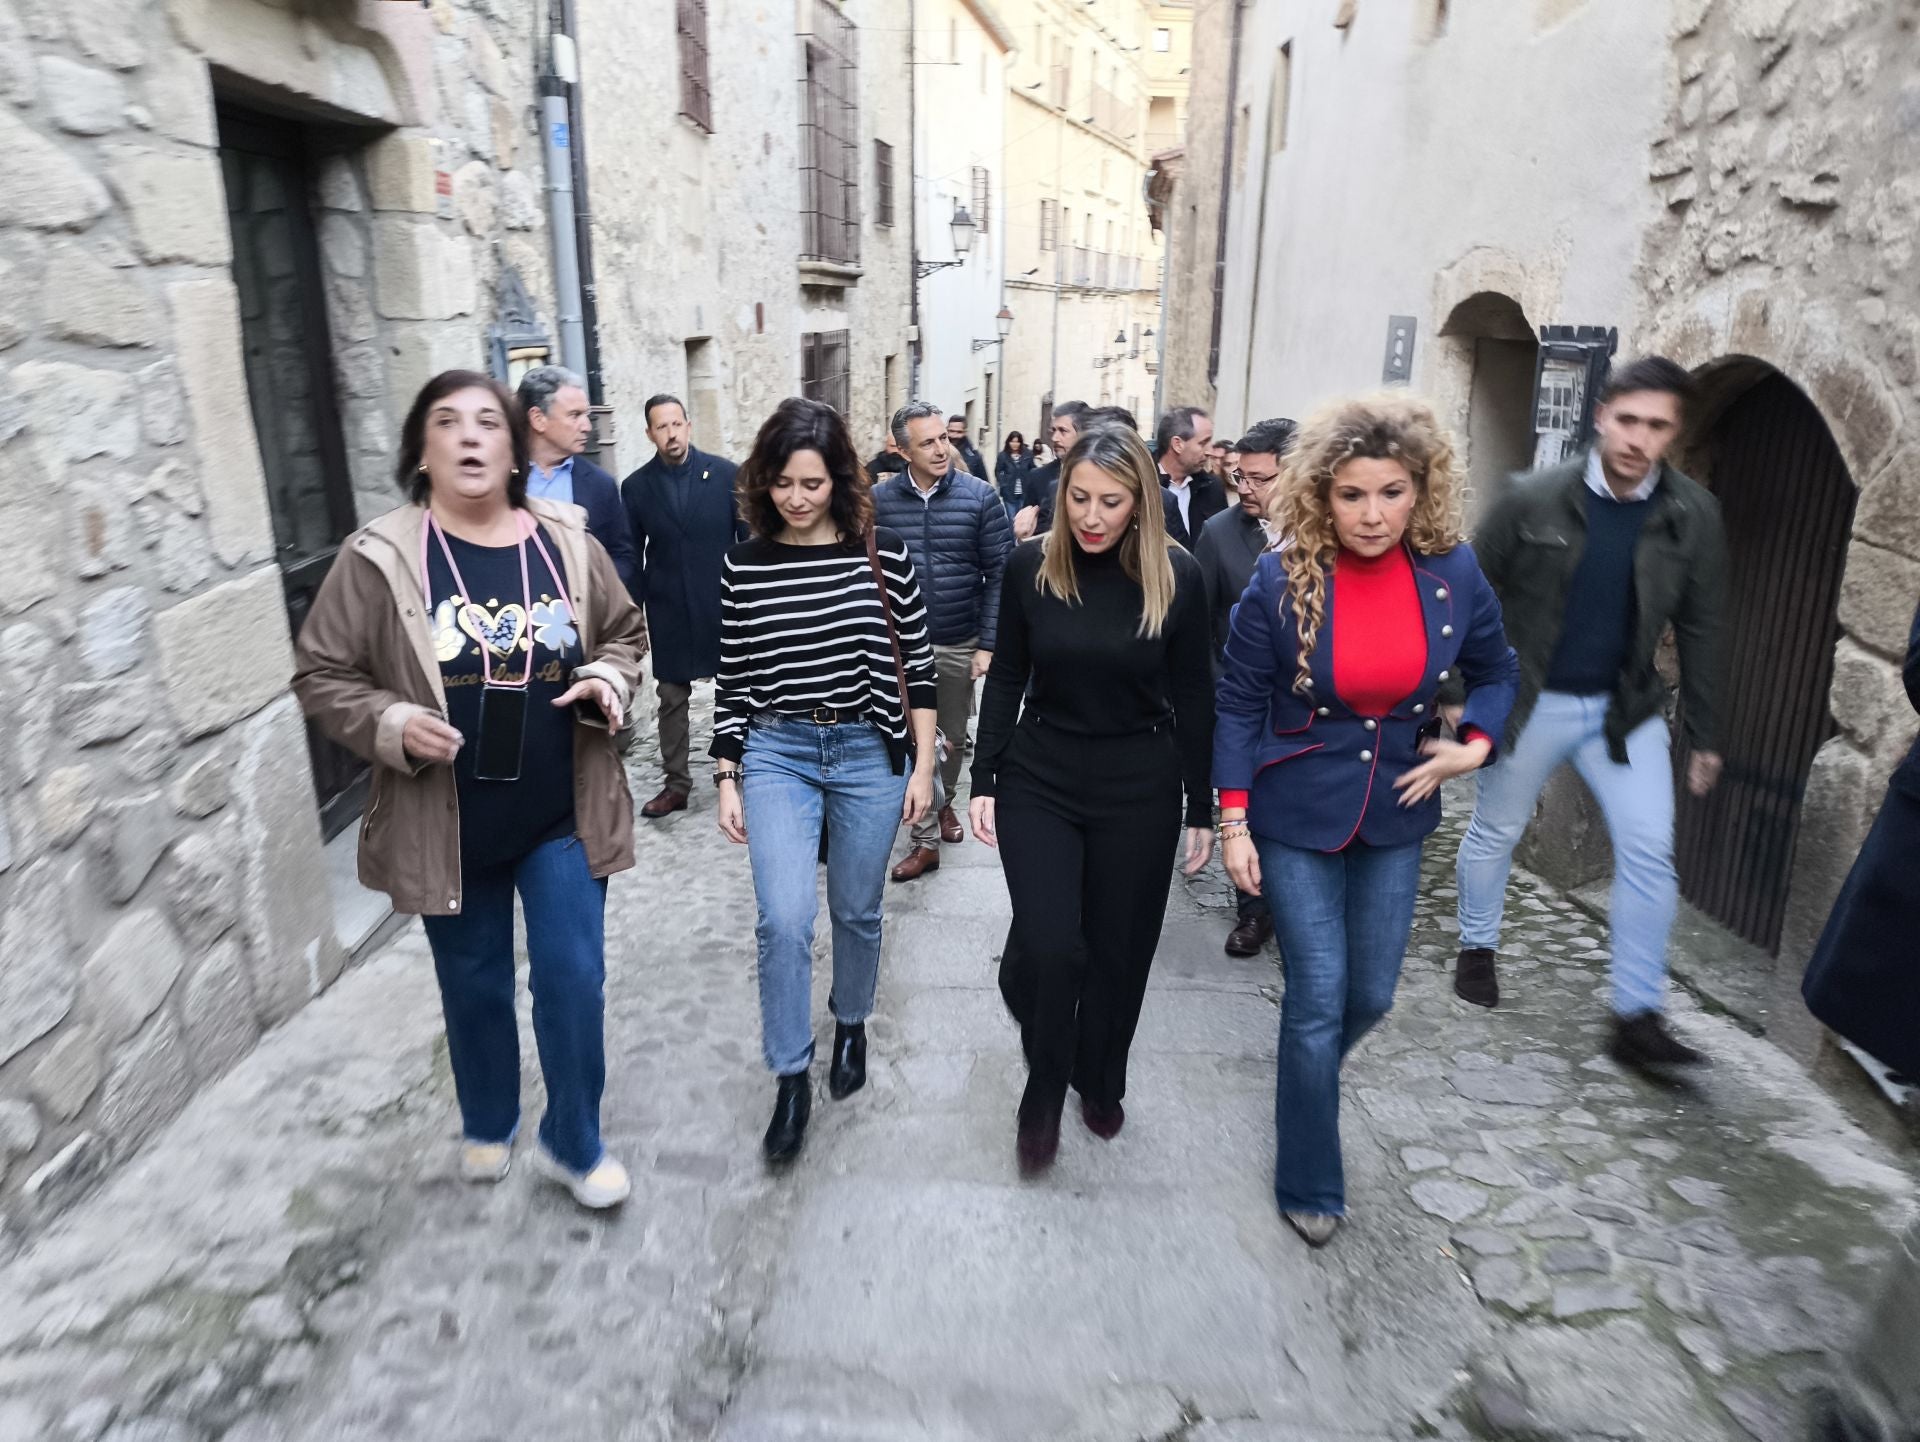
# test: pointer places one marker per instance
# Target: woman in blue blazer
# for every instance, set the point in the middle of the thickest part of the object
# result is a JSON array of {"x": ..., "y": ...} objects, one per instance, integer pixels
[{"x": 1328, "y": 752}]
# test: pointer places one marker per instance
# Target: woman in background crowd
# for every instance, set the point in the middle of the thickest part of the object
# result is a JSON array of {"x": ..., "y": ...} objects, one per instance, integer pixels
[
  {"x": 1328, "y": 754},
  {"x": 825, "y": 689},
  {"x": 1106, "y": 621},
  {"x": 490, "y": 726},
  {"x": 1011, "y": 468}
]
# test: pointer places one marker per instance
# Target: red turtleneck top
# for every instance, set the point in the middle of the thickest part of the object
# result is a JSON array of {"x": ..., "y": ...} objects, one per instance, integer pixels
[{"x": 1379, "y": 636}]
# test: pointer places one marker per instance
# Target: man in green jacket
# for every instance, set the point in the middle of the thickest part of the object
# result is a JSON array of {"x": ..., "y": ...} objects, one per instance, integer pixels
[{"x": 1593, "y": 560}]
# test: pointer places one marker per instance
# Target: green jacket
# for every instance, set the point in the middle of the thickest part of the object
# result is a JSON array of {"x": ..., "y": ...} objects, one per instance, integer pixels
[{"x": 1529, "y": 546}]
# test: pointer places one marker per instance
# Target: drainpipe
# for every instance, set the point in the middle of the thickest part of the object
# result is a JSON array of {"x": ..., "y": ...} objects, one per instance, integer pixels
[
  {"x": 1226, "y": 196},
  {"x": 583, "y": 215},
  {"x": 556, "y": 135},
  {"x": 913, "y": 209}
]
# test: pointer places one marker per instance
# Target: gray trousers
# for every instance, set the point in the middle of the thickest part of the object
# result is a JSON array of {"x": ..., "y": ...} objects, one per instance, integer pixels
[
  {"x": 953, "y": 681},
  {"x": 676, "y": 734}
]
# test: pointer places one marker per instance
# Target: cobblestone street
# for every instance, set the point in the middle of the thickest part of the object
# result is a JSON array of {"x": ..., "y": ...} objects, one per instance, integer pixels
[{"x": 1539, "y": 1241}]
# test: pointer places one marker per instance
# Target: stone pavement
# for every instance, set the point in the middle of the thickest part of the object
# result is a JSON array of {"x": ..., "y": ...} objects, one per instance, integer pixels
[{"x": 1541, "y": 1246}]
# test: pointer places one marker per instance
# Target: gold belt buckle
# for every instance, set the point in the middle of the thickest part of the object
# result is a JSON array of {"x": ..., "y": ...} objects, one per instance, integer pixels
[{"x": 824, "y": 716}]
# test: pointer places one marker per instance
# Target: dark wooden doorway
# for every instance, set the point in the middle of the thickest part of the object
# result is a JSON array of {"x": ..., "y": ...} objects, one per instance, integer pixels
[
  {"x": 269, "y": 163},
  {"x": 1788, "y": 501}
]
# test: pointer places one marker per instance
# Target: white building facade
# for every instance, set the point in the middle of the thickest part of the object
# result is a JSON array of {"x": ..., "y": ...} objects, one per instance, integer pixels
[{"x": 962, "y": 51}]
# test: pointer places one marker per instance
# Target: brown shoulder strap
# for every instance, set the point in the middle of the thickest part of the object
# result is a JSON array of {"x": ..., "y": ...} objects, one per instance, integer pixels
[{"x": 893, "y": 631}]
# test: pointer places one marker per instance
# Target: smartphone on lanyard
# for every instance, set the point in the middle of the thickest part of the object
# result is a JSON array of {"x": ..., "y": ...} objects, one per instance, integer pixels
[{"x": 501, "y": 733}]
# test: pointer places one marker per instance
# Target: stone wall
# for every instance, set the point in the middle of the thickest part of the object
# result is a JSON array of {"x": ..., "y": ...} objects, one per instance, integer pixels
[
  {"x": 696, "y": 233},
  {"x": 1790, "y": 171},
  {"x": 162, "y": 899},
  {"x": 1193, "y": 220}
]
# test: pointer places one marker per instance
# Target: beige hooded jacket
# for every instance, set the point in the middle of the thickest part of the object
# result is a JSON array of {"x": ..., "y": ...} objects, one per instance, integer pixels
[{"x": 365, "y": 666}]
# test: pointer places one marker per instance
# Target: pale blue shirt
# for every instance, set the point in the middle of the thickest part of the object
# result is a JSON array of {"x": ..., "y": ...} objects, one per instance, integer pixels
[
  {"x": 553, "y": 485},
  {"x": 1597, "y": 481}
]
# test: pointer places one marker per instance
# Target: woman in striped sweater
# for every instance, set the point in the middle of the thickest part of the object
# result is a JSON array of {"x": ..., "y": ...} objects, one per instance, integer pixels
[{"x": 810, "y": 726}]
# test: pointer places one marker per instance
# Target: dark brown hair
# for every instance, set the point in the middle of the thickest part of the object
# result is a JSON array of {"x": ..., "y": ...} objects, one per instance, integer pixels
[
  {"x": 413, "y": 433},
  {"x": 804, "y": 425},
  {"x": 1650, "y": 373}
]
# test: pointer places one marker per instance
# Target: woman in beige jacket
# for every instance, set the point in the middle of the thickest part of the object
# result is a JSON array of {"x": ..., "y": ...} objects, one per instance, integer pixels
[{"x": 476, "y": 646}]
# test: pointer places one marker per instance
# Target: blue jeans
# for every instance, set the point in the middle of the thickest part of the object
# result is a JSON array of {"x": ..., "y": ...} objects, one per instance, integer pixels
[
  {"x": 1342, "y": 918},
  {"x": 566, "y": 965},
  {"x": 795, "y": 775},
  {"x": 1637, "y": 801}
]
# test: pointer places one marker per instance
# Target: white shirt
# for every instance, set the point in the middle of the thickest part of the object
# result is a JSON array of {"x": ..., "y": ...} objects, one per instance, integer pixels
[
  {"x": 1597, "y": 481},
  {"x": 1182, "y": 497}
]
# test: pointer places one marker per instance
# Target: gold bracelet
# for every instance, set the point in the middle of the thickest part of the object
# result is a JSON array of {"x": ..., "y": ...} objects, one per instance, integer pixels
[{"x": 1234, "y": 831}]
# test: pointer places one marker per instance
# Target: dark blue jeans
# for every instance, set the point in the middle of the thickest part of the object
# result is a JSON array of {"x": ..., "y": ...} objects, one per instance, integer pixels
[
  {"x": 1342, "y": 918},
  {"x": 566, "y": 955}
]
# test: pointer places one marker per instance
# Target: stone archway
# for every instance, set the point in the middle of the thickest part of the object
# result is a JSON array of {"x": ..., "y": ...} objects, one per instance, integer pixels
[
  {"x": 1787, "y": 498},
  {"x": 1497, "y": 348}
]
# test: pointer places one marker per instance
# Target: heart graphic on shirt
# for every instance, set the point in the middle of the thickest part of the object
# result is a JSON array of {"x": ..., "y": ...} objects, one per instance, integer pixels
[{"x": 499, "y": 631}]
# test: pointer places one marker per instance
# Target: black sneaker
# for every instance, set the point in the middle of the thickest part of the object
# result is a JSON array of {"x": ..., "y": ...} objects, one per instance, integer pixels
[
  {"x": 1474, "y": 977},
  {"x": 1643, "y": 1040}
]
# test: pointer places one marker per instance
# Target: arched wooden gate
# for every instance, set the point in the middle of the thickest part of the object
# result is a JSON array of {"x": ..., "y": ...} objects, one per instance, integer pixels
[{"x": 1788, "y": 501}]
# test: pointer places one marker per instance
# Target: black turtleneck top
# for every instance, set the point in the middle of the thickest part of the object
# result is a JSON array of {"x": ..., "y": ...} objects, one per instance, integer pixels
[{"x": 1093, "y": 674}]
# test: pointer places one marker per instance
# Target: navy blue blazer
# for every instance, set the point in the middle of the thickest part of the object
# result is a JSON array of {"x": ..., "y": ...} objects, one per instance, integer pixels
[
  {"x": 1337, "y": 780},
  {"x": 598, "y": 494}
]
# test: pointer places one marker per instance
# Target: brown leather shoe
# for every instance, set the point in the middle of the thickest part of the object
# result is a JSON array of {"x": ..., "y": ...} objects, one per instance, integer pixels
[
  {"x": 1249, "y": 936},
  {"x": 917, "y": 863},
  {"x": 951, "y": 831},
  {"x": 665, "y": 804}
]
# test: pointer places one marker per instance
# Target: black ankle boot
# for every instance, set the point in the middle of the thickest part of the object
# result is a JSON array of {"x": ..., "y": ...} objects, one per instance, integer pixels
[
  {"x": 849, "y": 1070},
  {"x": 791, "y": 1108},
  {"x": 1037, "y": 1141}
]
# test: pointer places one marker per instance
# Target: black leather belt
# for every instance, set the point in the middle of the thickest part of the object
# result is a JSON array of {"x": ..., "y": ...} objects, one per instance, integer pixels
[{"x": 825, "y": 716}]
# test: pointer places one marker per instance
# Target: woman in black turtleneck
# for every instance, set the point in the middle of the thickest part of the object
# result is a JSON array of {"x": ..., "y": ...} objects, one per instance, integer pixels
[{"x": 1105, "y": 620}]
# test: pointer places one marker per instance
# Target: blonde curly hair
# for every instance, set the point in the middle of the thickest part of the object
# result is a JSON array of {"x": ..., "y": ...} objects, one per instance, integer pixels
[{"x": 1389, "y": 425}]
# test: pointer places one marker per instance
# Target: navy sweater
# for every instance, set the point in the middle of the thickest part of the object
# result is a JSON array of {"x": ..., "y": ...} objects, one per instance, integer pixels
[{"x": 1599, "y": 622}]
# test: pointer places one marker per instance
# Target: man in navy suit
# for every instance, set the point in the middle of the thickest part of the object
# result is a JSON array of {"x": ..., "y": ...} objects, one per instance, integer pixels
[
  {"x": 559, "y": 427},
  {"x": 680, "y": 506}
]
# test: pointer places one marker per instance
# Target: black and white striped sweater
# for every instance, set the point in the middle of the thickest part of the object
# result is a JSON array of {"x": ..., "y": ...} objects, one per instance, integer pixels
[{"x": 802, "y": 626}]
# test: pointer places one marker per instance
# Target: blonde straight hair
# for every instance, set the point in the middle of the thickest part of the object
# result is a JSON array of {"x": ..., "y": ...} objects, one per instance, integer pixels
[{"x": 1145, "y": 550}]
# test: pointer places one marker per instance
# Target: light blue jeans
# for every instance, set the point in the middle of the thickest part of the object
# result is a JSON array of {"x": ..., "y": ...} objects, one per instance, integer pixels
[
  {"x": 1637, "y": 801},
  {"x": 795, "y": 775}
]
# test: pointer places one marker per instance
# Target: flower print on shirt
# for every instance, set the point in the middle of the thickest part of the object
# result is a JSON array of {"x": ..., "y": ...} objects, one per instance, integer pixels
[
  {"x": 553, "y": 624},
  {"x": 447, "y": 636}
]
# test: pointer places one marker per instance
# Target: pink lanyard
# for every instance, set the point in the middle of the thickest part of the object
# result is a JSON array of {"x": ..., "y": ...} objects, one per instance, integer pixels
[{"x": 527, "y": 527}]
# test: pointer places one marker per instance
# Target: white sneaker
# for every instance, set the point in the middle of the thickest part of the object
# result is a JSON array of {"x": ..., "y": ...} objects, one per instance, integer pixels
[
  {"x": 607, "y": 1185},
  {"x": 485, "y": 1161}
]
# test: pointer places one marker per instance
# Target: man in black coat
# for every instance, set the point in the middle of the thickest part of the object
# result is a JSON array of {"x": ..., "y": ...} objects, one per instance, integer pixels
[
  {"x": 681, "y": 507},
  {"x": 965, "y": 449},
  {"x": 559, "y": 426},
  {"x": 1229, "y": 547},
  {"x": 1191, "y": 496}
]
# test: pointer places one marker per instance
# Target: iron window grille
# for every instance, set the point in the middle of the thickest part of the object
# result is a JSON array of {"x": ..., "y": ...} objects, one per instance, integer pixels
[
  {"x": 825, "y": 374},
  {"x": 982, "y": 198},
  {"x": 830, "y": 140},
  {"x": 696, "y": 90},
  {"x": 882, "y": 182}
]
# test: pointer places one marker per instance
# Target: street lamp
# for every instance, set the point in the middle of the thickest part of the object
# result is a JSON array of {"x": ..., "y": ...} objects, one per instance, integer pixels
[
  {"x": 1003, "y": 322},
  {"x": 963, "y": 230}
]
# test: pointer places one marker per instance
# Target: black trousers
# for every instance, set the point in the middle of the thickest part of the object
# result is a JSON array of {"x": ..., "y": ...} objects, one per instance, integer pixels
[{"x": 1089, "y": 829}]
